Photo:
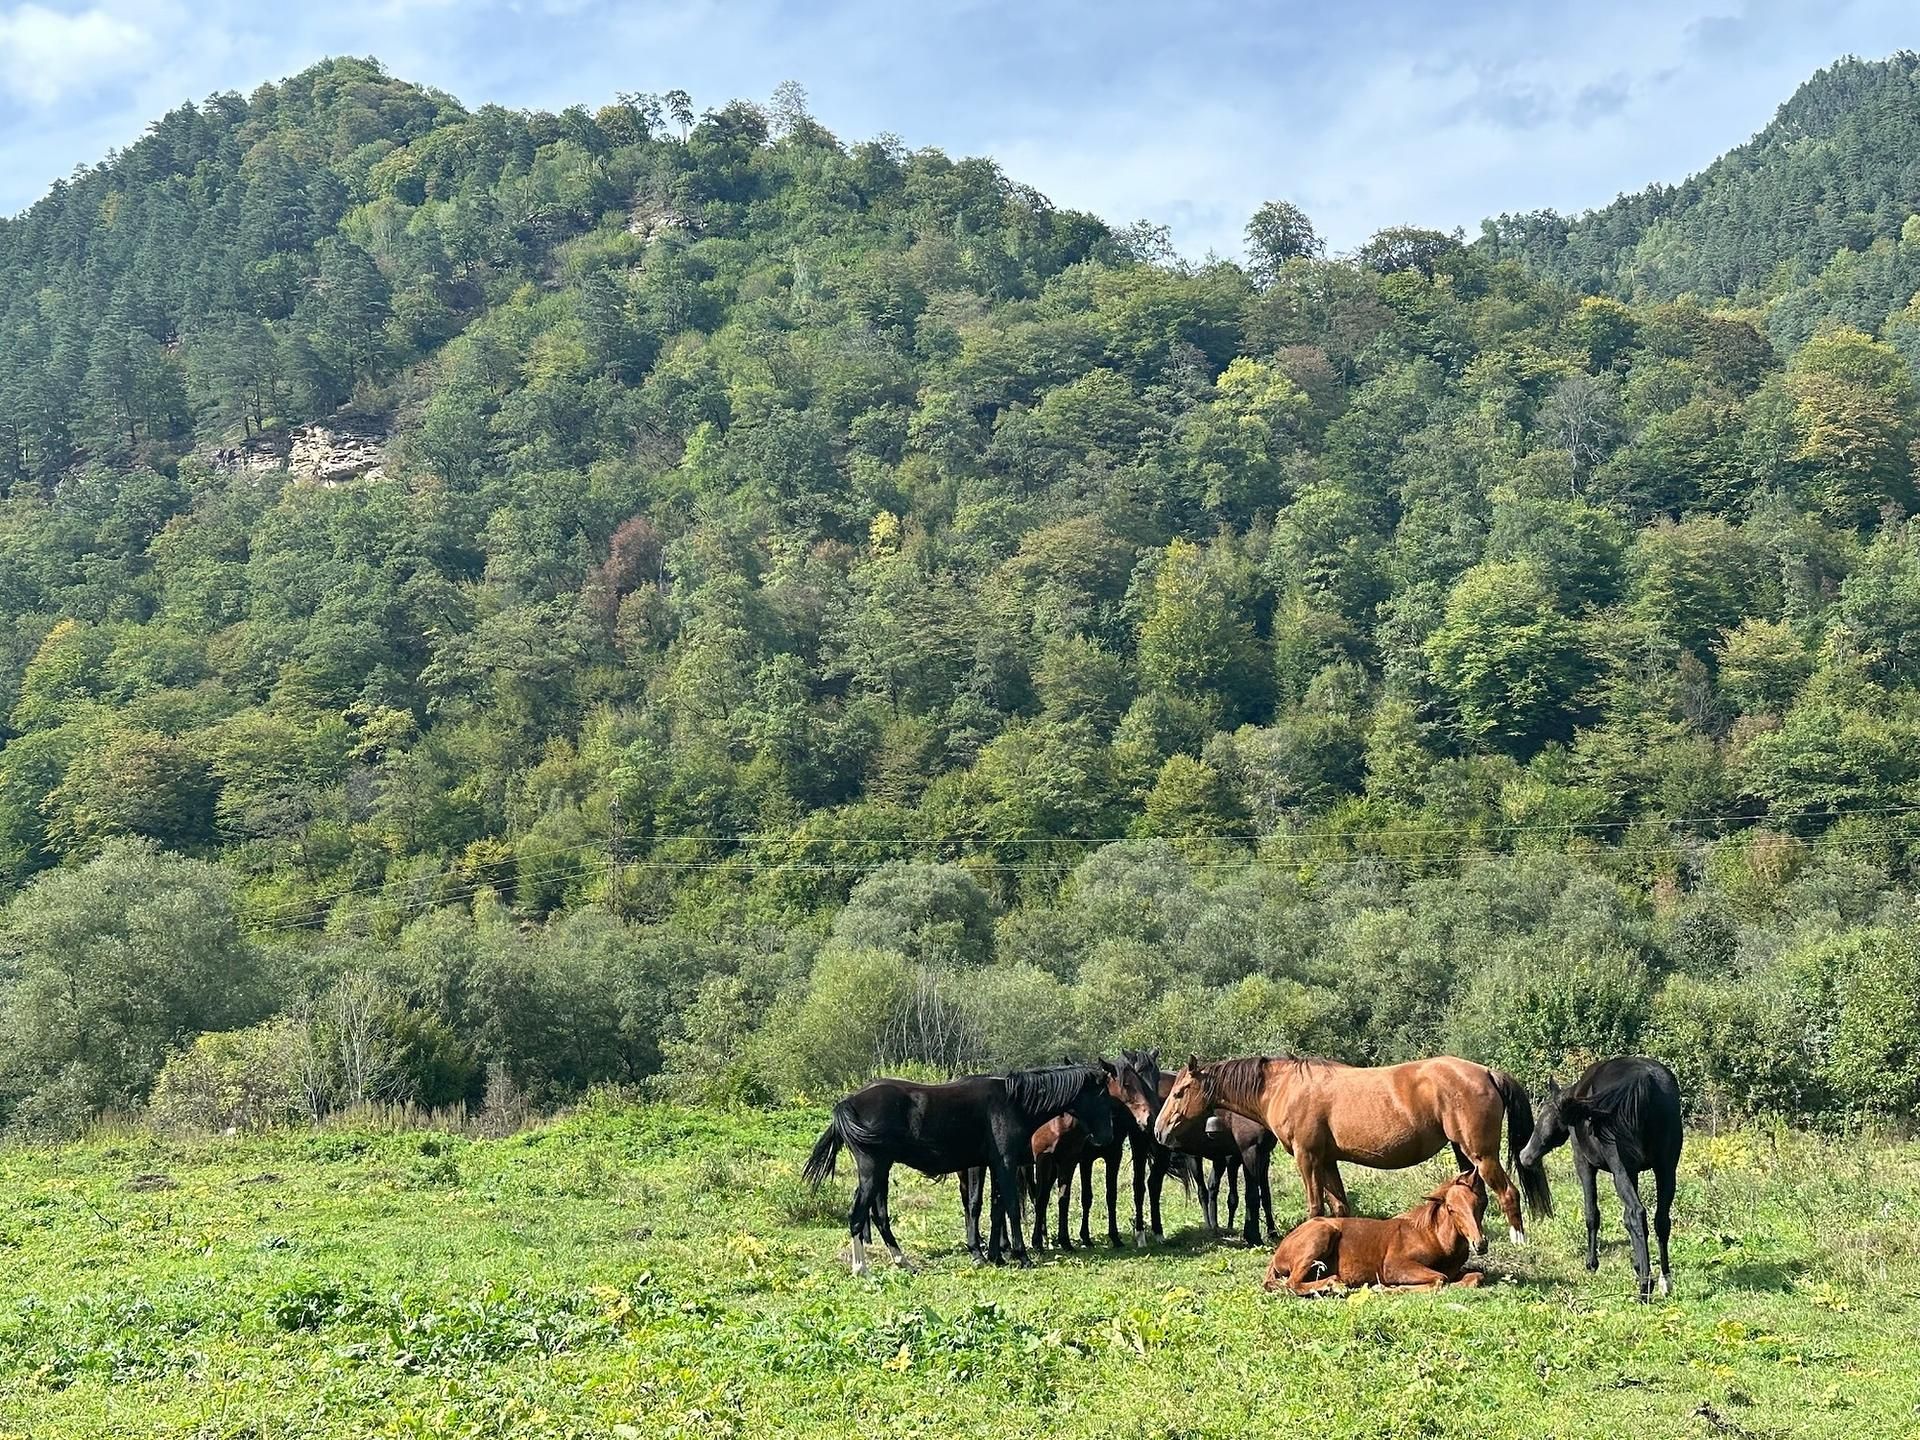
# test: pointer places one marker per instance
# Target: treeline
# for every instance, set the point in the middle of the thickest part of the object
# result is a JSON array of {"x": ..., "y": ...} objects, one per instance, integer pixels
[
  {"x": 1834, "y": 172},
  {"x": 773, "y": 530}
]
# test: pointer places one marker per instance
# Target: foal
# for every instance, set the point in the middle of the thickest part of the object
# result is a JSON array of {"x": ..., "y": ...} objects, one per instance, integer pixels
[
  {"x": 1623, "y": 1116},
  {"x": 1423, "y": 1248}
]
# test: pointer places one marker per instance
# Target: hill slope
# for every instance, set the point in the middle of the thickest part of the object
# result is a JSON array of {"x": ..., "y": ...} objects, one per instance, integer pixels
[
  {"x": 801, "y": 606},
  {"x": 1837, "y": 168}
]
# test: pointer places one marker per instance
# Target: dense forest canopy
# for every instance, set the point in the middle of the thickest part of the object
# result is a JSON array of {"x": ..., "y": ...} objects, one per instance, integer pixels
[{"x": 820, "y": 606}]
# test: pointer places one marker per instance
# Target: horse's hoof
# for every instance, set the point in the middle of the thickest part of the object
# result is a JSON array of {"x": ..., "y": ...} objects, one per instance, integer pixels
[
  {"x": 1139, "y": 1239},
  {"x": 1518, "y": 1237},
  {"x": 1026, "y": 1262},
  {"x": 1665, "y": 1284},
  {"x": 903, "y": 1263}
]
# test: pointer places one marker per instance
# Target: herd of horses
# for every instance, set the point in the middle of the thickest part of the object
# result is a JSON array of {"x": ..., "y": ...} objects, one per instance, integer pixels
[{"x": 1021, "y": 1134}]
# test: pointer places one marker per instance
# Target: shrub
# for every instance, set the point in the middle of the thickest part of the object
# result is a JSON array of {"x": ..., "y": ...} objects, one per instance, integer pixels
[{"x": 235, "y": 1079}]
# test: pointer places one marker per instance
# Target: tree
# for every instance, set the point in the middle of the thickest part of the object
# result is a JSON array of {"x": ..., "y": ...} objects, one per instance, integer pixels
[
  {"x": 118, "y": 961},
  {"x": 933, "y": 914},
  {"x": 1511, "y": 664},
  {"x": 1192, "y": 641},
  {"x": 1278, "y": 232}
]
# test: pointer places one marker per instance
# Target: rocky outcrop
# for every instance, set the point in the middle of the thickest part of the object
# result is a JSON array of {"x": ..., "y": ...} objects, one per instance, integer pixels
[
  {"x": 324, "y": 453},
  {"x": 340, "y": 450}
]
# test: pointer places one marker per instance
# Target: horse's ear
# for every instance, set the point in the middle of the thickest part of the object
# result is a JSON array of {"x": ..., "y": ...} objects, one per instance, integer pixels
[
  {"x": 1193, "y": 1064},
  {"x": 1107, "y": 1067},
  {"x": 1553, "y": 1087},
  {"x": 1150, "y": 1057}
]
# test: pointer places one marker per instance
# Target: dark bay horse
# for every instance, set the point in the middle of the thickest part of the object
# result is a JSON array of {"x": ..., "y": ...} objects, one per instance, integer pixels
[
  {"x": 1623, "y": 1116},
  {"x": 1062, "y": 1146},
  {"x": 1235, "y": 1145},
  {"x": 983, "y": 1121},
  {"x": 1424, "y": 1247},
  {"x": 1388, "y": 1117}
]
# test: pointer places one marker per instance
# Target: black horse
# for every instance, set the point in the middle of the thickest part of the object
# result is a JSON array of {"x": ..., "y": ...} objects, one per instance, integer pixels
[
  {"x": 1623, "y": 1116},
  {"x": 984, "y": 1121},
  {"x": 1135, "y": 1101}
]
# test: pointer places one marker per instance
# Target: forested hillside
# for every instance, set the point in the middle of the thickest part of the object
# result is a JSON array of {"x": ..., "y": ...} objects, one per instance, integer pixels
[
  {"x": 974, "y": 634},
  {"x": 1807, "y": 219}
]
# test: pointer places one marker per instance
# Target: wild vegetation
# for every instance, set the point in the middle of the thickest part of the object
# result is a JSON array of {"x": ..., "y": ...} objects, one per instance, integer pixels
[
  {"x": 653, "y": 1272},
  {"x": 821, "y": 607}
]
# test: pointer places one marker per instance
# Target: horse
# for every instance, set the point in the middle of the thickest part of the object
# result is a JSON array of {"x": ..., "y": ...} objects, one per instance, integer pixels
[
  {"x": 1233, "y": 1144},
  {"x": 1388, "y": 1116},
  {"x": 1062, "y": 1145},
  {"x": 1623, "y": 1116},
  {"x": 984, "y": 1121},
  {"x": 1424, "y": 1247},
  {"x": 1140, "y": 1075}
]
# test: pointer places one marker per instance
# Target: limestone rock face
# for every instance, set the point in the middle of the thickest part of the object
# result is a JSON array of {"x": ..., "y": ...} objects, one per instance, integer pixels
[
  {"x": 338, "y": 451},
  {"x": 323, "y": 453}
]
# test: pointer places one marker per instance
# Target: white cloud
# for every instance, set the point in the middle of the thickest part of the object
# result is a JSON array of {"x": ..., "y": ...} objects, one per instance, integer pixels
[{"x": 45, "y": 54}]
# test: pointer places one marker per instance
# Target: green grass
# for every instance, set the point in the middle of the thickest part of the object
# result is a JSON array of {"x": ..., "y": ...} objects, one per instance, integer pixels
[{"x": 660, "y": 1272}]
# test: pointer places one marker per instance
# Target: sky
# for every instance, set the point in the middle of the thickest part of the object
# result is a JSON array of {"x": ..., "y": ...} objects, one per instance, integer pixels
[{"x": 1189, "y": 114}]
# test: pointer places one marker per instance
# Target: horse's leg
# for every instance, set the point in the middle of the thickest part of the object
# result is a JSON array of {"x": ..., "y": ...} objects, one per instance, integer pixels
[
  {"x": 1500, "y": 1184},
  {"x": 1589, "y": 1179},
  {"x": 1086, "y": 1199},
  {"x": 1336, "y": 1189},
  {"x": 997, "y": 1238},
  {"x": 1005, "y": 1172},
  {"x": 1140, "y": 1164},
  {"x": 1251, "y": 1166},
  {"x": 883, "y": 1219},
  {"x": 1065, "y": 1177},
  {"x": 972, "y": 1182},
  {"x": 1636, "y": 1217},
  {"x": 1307, "y": 1162},
  {"x": 1663, "y": 1180},
  {"x": 1042, "y": 1187},
  {"x": 860, "y": 1218},
  {"x": 1406, "y": 1275},
  {"x": 1156, "y": 1181},
  {"x": 1461, "y": 1164},
  {"x": 1266, "y": 1193},
  {"x": 1232, "y": 1165},
  {"x": 1113, "y": 1198}
]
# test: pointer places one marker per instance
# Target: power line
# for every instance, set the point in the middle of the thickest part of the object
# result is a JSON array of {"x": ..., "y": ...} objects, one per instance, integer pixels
[{"x": 319, "y": 912}]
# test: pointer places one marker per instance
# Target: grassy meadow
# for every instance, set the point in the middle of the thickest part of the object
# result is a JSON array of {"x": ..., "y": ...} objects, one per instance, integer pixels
[{"x": 659, "y": 1272}]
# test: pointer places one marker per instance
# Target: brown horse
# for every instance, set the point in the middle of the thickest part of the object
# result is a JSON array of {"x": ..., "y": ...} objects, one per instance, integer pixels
[
  {"x": 1062, "y": 1146},
  {"x": 1422, "y": 1248},
  {"x": 1388, "y": 1117}
]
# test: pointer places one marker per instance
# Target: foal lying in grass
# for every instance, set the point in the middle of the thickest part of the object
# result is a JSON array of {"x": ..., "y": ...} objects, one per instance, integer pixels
[{"x": 1423, "y": 1248}]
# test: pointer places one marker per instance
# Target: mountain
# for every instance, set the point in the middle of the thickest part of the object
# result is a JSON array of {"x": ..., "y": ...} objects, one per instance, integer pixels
[
  {"x": 634, "y": 595},
  {"x": 1837, "y": 170}
]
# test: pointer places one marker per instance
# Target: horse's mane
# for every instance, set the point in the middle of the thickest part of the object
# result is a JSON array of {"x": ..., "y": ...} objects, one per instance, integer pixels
[
  {"x": 1050, "y": 1090},
  {"x": 1620, "y": 1102},
  {"x": 1248, "y": 1072}
]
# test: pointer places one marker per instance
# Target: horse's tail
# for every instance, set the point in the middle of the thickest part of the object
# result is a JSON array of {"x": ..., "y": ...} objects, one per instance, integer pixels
[
  {"x": 825, "y": 1152},
  {"x": 1532, "y": 1178}
]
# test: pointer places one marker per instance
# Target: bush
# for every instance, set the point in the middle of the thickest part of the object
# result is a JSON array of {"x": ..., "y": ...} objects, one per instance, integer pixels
[
  {"x": 932, "y": 914},
  {"x": 1739, "y": 1047},
  {"x": 1533, "y": 1010},
  {"x": 1874, "y": 1063},
  {"x": 236, "y": 1079}
]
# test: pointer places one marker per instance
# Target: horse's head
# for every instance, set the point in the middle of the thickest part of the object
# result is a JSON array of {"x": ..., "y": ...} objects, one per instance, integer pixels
[
  {"x": 1464, "y": 1198},
  {"x": 1192, "y": 1096},
  {"x": 1136, "y": 1085},
  {"x": 1093, "y": 1105},
  {"x": 1553, "y": 1116}
]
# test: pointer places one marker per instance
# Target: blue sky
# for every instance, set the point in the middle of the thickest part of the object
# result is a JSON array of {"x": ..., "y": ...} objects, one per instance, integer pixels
[{"x": 1188, "y": 114}]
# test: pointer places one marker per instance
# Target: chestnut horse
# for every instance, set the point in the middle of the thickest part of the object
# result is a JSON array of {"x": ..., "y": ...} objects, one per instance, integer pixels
[
  {"x": 1422, "y": 1248},
  {"x": 1388, "y": 1117}
]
